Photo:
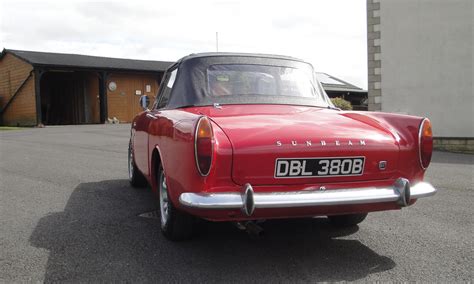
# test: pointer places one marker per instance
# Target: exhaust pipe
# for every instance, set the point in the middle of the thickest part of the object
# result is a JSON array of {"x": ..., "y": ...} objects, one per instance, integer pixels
[
  {"x": 252, "y": 228},
  {"x": 402, "y": 187}
]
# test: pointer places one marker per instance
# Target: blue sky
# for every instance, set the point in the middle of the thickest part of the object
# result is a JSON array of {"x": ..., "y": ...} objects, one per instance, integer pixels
[{"x": 329, "y": 34}]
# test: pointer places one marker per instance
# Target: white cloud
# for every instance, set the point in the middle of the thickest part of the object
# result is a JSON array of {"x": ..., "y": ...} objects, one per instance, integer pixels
[{"x": 329, "y": 34}]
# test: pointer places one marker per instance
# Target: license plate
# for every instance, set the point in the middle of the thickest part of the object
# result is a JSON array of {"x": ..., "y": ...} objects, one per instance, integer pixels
[{"x": 319, "y": 167}]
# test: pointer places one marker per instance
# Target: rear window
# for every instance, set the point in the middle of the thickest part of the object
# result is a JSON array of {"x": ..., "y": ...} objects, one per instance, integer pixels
[{"x": 259, "y": 80}]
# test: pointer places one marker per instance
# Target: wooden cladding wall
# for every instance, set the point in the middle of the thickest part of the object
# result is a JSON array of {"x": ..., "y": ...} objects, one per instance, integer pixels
[
  {"x": 92, "y": 92},
  {"x": 22, "y": 110},
  {"x": 123, "y": 103}
]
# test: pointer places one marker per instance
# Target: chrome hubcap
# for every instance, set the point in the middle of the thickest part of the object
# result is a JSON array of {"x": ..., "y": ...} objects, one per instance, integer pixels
[{"x": 164, "y": 201}]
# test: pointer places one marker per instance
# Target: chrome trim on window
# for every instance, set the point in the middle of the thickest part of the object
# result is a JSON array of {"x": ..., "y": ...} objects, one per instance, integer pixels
[{"x": 151, "y": 115}]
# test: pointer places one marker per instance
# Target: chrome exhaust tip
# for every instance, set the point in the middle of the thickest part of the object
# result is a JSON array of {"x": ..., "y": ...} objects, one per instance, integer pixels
[
  {"x": 248, "y": 200},
  {"x": 252, "y": 228},
  {"x": 402, "y": 187}
]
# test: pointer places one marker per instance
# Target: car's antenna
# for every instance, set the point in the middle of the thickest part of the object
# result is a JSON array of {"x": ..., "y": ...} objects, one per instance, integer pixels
[{"x": 217, "y": 41}]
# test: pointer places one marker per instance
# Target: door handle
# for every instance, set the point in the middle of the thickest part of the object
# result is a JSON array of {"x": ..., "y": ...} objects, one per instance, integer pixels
[{"x": 152, "y": 116}]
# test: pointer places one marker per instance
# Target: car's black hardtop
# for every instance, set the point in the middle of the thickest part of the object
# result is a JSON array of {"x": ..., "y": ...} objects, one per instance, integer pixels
[
  {"x": 191, "y": 84},
  {"x": 237, "y": 54}
]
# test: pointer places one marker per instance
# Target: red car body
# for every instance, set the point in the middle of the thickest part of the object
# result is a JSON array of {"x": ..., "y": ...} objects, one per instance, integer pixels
[{"x": 248, "y": 139}]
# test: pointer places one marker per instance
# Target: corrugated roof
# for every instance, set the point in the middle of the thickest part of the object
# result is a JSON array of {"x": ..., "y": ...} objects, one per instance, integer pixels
[
  {"x": 87, "y": 61},
  {"x": 331, "y": 83}
]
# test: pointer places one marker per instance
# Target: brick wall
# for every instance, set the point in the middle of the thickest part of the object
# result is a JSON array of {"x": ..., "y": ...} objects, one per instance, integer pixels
[{"x": 462, "y": 145}]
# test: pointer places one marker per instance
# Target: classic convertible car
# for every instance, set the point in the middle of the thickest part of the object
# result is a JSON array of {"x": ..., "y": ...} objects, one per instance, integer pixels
[{"x": 246, "y": 137}]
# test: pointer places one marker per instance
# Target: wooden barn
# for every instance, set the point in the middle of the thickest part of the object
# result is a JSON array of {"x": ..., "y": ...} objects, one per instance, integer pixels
[{"x": 56, "y": 89}]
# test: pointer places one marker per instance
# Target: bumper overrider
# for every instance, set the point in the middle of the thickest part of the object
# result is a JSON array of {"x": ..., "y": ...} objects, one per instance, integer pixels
[{"x": 401, "y": 192}]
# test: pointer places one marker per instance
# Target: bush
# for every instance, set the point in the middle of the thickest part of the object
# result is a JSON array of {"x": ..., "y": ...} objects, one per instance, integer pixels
[{"x": 341, "y": 103}]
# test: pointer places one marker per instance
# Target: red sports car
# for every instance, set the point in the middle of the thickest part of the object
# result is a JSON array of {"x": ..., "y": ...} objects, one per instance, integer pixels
[{"x": 245, "y": 137}]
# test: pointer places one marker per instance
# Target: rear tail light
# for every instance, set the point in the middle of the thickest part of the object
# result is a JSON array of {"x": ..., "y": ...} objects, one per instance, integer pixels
[
  {"x": 203, "y": 145},
  {"x": 425, "y": 143}
]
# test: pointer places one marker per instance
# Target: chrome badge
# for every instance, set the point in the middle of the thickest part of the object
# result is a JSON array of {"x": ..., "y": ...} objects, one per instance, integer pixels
[{"x": 309, "y": 143}]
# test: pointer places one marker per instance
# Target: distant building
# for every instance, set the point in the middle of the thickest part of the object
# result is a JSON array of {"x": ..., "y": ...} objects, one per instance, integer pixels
[
  {"x": 54, "y": 88},
  {"x": 420, "y": 62},
  {"x": 336, "y": 87}
]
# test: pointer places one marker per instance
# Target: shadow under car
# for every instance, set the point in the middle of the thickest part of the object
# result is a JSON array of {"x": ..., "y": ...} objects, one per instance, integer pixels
[{"x": 100, "y": 237}]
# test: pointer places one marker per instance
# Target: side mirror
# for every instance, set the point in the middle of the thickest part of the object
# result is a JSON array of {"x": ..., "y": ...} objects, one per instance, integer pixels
[{"x": 144, "y": 102}]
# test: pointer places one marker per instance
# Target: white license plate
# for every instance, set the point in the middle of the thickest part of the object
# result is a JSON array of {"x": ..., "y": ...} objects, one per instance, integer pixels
[{"x": 319, "y": 167}]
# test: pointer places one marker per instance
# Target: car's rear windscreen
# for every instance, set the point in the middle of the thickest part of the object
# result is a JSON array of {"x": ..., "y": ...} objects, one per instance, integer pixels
[{"x": 259, "y": 80}]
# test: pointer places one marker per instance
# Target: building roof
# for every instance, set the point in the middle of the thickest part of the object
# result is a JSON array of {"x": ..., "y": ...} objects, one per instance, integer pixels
[
  {"x": 331, "y": 83},
  {"x": 63, "y": 60}
]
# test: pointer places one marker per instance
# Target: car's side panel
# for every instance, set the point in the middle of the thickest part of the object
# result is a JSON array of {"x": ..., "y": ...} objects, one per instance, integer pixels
[
  {"x": 173, "y": 134},
  {"x": 160, "y": 132},
  {"x": 140, "y": 142}
]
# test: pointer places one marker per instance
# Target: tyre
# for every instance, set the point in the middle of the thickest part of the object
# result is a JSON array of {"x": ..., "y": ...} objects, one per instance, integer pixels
[
  {"x": 347, "y": 220},
  {"x": 175, "y": 225},
  {"x": 135, "y": 177}
]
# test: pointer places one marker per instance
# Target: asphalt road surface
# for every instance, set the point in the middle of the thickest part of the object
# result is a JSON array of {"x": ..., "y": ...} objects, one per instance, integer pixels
[{"x": 68, "y": 214}]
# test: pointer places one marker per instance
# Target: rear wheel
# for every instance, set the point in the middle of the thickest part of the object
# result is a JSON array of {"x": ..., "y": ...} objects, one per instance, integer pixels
[
  {"x": 135, "y": 177},
  {"x": 347, "y": 220},
  {"x": 175, "y": 225}
]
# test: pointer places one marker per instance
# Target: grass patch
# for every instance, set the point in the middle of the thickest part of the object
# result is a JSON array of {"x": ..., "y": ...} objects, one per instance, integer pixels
[{"x": 7, "y": 128}]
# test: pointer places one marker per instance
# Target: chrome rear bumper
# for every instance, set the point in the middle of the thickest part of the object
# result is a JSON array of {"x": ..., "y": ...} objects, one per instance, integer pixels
[{"x": 401, "y": 192}]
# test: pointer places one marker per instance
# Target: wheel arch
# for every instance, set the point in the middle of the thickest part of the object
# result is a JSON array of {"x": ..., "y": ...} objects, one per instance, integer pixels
[{"x": 156, "y": 162}]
